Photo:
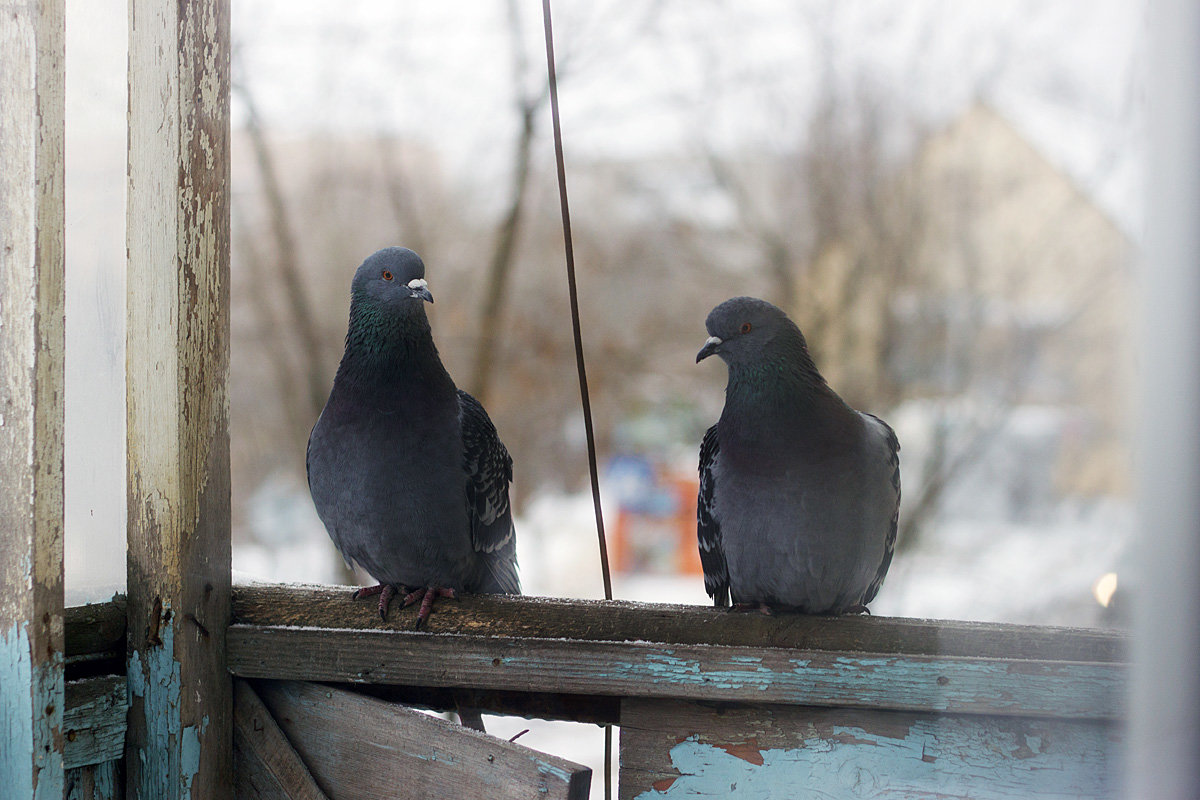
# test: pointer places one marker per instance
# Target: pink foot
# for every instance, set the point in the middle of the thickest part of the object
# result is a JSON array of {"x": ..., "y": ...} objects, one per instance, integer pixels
[
  {"x": 385, "y": 591},
  {"x": 427, "y": 595}
]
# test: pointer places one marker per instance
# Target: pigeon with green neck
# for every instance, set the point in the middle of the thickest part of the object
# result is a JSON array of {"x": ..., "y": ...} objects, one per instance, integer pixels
[{"x": 406, "y": 470}]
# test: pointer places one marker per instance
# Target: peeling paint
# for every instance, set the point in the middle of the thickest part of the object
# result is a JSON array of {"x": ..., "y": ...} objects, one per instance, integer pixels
[
  {"x": 545, "y": 768},
  {"x": 189, "y": 747},
  {"x": 16, "y": 707},
  {"x": 170, "y": 749},
  {"x": 30, "y": 715},
  {"x": 970, "y": 761}
]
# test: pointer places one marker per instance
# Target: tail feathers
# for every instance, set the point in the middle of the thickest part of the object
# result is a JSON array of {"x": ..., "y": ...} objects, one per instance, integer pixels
[{"x": 498, "y": 571}]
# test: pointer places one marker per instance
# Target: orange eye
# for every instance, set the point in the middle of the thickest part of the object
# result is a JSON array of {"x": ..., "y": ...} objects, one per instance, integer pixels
[
  {"x": 745, "y": 327},
  {"x": 387, "y": 275}
]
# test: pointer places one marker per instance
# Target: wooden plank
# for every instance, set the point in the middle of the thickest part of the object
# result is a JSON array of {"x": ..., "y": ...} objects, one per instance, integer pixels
[
  {"x": 702, "y": 672},
  {"x": 31, "y": 397},
  {"x": 95, "y": 782},
  {"x": 678, "y": 749},
  {"x": 598, "y": 620},
  {"x": 94, "y": 720},
  {"x": 177, "y": 359},
  {"x": 95, "y": 637},
  {"x": 266, "y": 766},
  {"x": 359, "y": 747}
]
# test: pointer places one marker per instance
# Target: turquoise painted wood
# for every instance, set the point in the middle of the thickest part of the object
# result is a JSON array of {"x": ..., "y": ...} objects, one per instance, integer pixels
[
  {"x": 94, "y": 720},
  {"x": 702, "y": 672},
  {"x": 31, "y": 398},
  {"x": 675, "y": 750},
  {"x": 95, "y": 782}
]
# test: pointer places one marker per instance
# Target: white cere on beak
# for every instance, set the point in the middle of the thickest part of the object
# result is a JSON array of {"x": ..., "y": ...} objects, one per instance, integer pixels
[
  {"x": 417, "y": 283},
  {"x": 713, "y": 340}
]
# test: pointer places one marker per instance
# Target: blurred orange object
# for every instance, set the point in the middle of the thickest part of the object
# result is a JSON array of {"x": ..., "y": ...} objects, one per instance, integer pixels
[{"x": 646, "y": 542}]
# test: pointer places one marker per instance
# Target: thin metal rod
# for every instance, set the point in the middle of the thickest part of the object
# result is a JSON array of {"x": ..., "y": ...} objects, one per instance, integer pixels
[{"x": 566, "y": 218}]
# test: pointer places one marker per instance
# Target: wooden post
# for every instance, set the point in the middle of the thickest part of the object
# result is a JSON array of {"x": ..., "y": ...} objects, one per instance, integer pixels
[
  {"x": 180, "y": 722},
  {"x": 31, "y": 398}
]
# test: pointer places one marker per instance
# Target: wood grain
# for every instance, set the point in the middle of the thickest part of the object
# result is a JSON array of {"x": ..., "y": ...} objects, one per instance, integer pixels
[
  {"x": 94, "y": 637},
  {"x": 599, "y": 620},
  {"x": 678, "y": 749},
  {"x": 96, "y": 782},
  {"x": 177, "y": 359},
  {"x": 359, "y": 747},
  {"x": 266, "y": 766},
  {"x": 94, "y": 720},
  {"x": 702, "y": 672},
  {"x": 31, "y": 397}
]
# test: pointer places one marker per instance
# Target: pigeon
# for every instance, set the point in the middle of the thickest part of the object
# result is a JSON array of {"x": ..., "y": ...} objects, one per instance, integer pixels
[
  {"x": 406, "y": 470},
  {"x": 799, "y": 493}
]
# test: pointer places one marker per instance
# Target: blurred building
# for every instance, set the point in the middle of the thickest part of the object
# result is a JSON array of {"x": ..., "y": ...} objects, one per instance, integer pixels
[{"x": 994, "y": 281}]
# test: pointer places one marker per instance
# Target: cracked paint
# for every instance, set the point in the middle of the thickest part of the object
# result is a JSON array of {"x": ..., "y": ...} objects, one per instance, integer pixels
[
  {"x": 29, "y": 714},
  {"x": 971, "y": 761},
  {"x": 155, "y": 678}
]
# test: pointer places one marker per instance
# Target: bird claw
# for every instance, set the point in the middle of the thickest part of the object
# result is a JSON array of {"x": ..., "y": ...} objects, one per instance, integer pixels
[
  {"x": 426, "y": 595},
  {"x": 385, "y": 591}
]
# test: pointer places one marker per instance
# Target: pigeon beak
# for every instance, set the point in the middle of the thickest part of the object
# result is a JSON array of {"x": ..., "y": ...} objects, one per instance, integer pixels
[
  {"x": 420, "y": 289},
  {"x": 710, "y": 346}
]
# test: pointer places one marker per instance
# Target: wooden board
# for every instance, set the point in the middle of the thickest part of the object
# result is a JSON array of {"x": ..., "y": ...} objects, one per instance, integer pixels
[
  {"x": 702, "y": 672},
  {"x": 94, "y": 720},
  {"x": 94, "y": 637},
  {"x": 598, "y": 620},
  {"x": 180, "y": 733},
  {"x": 266, "y": 766},
  {"x": 31, "y": 397},
  {"x": 96, "y": 782},
  {"x": 676, "y": 749},
  {"x": 360, "y": 747}
]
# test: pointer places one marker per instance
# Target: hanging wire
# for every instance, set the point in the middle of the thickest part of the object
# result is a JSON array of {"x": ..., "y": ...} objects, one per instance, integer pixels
[{"x": 583, "y": 387}]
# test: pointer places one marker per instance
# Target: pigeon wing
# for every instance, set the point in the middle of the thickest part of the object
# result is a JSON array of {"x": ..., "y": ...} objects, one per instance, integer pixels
[
  {"x": 488, "y": 468},
  {"x": 708, "y": 530},
  {"x": 890, "y": 545}
]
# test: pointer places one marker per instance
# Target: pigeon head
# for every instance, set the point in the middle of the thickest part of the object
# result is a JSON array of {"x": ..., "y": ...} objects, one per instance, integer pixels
[
  {"x": 764, "y": 350},
  {"x": 742, "y": 329},
  {"x": 392, "y": 279}
]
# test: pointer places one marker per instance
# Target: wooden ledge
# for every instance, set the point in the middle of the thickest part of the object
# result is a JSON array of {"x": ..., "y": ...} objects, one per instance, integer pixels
[
  {"x": 625, "y": 621},
  {"x": 623, "y": 649}
]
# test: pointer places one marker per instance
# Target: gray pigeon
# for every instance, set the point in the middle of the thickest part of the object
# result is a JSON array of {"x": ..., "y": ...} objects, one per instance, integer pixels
[
  {"x": 799, "y": 493},
  {"x": 405, "y": 470}
]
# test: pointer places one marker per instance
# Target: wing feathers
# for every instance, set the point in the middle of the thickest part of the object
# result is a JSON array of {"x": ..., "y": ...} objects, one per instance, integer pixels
[{"x": 708, "y": 530}]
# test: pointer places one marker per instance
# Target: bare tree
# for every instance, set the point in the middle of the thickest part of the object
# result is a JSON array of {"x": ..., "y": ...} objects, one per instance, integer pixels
[
  {"x": 287, "y": 262},
  {"x": 527, "y": 105}
]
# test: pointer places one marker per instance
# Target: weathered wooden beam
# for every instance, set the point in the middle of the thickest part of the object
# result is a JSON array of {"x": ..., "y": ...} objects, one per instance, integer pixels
[
  {"x": 177, "y": 358},
  {"x": 359, "y": 747},
  {"x": 598, "y": 620},
  {"x": 682, "y": 749},
  {"x": 267, "y": 767},
  {"x": 700, "y": 672},
  {"x": 94, "y": 720},
  {"x": 31, "y": 397},
  {"x": 95, "y": 637}
]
